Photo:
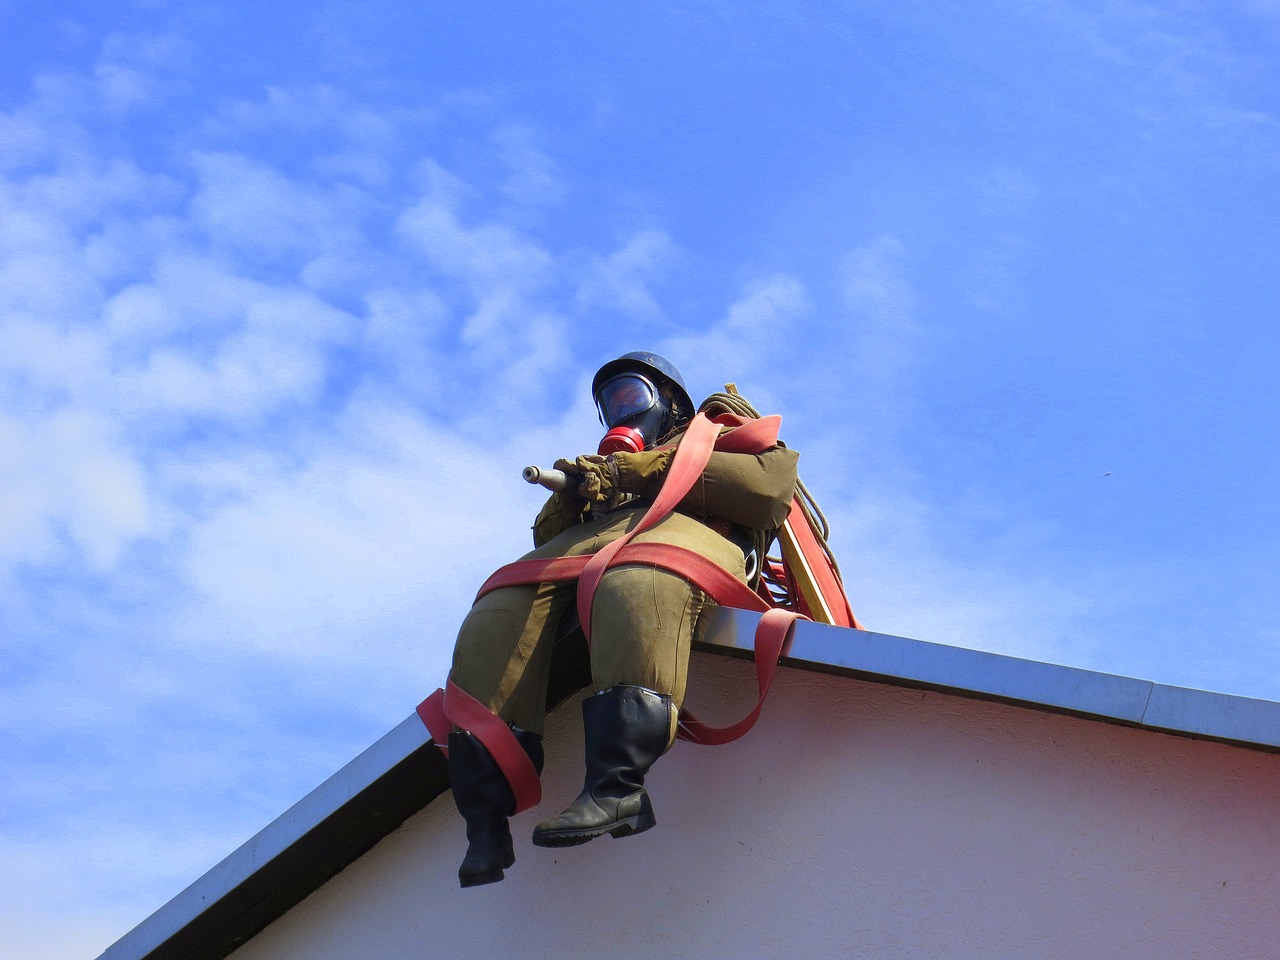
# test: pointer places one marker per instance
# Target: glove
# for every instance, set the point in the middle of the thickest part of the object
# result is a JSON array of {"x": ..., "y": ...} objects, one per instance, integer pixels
[{"x": 597, "y": 476}]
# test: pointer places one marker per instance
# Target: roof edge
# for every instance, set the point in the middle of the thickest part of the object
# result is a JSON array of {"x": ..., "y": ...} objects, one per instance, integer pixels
[{"x": 1241, "y": 721}]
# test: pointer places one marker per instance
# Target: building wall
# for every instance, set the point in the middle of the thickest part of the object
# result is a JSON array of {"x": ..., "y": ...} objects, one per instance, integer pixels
[{"x": 856, "y": 820}]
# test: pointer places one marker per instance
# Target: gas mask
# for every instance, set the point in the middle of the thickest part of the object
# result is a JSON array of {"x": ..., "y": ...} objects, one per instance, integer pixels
[
  {"x": 635, "y": 410},
  {"x": 641, "y": 398}
]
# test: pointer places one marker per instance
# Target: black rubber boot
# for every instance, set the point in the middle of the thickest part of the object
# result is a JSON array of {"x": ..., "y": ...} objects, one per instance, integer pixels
[
  {"x": 485, "y": 800},
  {"x": 626, "y": 730}
]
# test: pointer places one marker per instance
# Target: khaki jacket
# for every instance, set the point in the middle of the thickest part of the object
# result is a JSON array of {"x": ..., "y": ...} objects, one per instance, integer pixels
[{"x": 748, "y": 490}]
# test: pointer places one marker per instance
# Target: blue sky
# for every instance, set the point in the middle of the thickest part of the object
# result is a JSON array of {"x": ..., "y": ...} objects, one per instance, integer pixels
[{"x": 290, "y": 292}]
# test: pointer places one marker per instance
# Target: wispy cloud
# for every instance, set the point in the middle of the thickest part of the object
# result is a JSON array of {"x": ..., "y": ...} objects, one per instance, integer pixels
[
  {"x": 758, "y": 342},
  {"x": 1180, "y": 62},
  {"x": 621, "y": 280}
]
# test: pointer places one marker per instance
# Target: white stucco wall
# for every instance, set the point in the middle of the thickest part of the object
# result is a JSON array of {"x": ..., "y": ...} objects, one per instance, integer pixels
[{"x": 856, "y": 820}]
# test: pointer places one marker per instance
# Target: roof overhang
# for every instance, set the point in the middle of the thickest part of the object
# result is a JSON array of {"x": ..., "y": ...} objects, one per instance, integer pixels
[{"x": 403, "y": 772}]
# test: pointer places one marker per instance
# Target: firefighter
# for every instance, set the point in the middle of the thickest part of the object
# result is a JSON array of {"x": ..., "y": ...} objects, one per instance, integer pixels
[{"x": 643, "y": 619}]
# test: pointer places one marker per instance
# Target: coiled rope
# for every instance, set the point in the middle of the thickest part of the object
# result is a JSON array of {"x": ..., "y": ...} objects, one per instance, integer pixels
[{"x": 736, "y": 403}]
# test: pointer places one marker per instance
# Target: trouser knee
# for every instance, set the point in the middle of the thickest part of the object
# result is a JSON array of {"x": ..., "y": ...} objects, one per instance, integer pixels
[
  {"x": 503, "y": 652},
  {"x": 643, "y": 621}
]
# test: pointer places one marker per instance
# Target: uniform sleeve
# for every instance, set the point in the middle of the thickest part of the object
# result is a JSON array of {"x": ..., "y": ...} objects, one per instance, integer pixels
[{"x": 750, "y": 489}]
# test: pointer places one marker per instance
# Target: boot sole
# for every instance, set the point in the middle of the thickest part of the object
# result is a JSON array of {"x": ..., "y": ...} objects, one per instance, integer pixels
[
  {"x": 489, "y": 876},
  {"x": 572, "y": 838},
  {"x": 481, "y": 879}
]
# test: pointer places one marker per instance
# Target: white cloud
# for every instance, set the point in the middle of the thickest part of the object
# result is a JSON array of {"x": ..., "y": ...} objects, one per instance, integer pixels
[
  {"x": 1179, "y": 71},
  {"x": 492, "y": 258},
  {"x": 68, "y": 475},
  {"x": 880, "y": 299},
  {"x": 122, "y": 88},
  {"x": 622, "y": 279},
  {"x": 386, "y": 527},
  {"x": 758, "y": 343},
  {"x": 187, "y": 295},
  {"x": 533, "y": 176},
  {"x": 155, "y": 50},
  {"x": 40, "y": 284},
  {"x": 255, "y": 210},
  {"x": 916, "y": 568},
  {"x": 47, "y": 126},
  {"x": 275, "y": 360}
]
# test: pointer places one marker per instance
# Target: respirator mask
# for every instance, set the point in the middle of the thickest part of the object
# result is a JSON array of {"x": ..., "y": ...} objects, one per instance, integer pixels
[{"x": 635, "y": 411}]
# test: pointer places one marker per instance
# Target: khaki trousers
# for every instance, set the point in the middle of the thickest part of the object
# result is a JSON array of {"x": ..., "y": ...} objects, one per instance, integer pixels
[{"x": 643, "y": 620}]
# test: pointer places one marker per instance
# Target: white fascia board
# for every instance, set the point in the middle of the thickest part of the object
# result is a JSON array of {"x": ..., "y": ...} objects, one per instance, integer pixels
[{"x": 1245, "y": 722}]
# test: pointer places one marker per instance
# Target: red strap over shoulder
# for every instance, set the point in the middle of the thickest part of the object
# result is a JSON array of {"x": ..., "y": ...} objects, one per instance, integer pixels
[
  {"x": 748, "y": 436},
  {"x": 686, "y": 467}
]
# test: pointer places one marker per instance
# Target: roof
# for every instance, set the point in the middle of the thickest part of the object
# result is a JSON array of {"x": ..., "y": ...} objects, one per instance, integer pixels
[{"x": 402, "y": 772}]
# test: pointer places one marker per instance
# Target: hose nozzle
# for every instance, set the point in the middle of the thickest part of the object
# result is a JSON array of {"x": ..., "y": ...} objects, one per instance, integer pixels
[{"x": 555, "y": 480}]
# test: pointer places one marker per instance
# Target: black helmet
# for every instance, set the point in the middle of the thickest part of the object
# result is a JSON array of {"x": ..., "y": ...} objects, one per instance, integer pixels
[
  {"x": 658, "y": 368},
  {"x": 642, "y": 390}
]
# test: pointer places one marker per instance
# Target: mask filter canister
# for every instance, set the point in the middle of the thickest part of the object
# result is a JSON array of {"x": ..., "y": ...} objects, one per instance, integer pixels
[{"x": 621, "y": 440}]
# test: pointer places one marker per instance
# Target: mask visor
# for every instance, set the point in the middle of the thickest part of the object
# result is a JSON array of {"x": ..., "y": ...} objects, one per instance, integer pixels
[{"x": 623, "y": 397}]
